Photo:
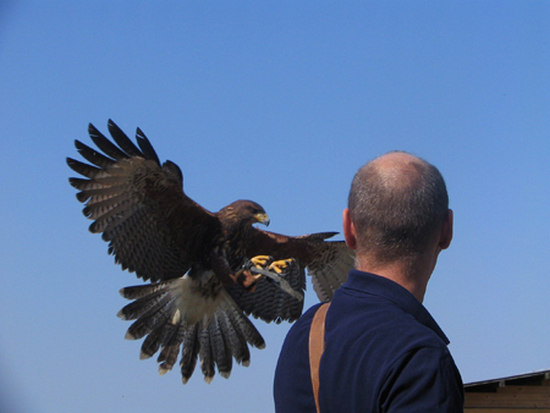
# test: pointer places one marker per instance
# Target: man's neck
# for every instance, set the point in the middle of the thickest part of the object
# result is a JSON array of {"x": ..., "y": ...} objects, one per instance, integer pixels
[{"x": 414, "y": 278}]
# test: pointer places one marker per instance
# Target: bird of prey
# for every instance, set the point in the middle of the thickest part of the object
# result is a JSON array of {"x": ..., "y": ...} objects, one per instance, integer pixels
[{"x": 206, "y": 271}]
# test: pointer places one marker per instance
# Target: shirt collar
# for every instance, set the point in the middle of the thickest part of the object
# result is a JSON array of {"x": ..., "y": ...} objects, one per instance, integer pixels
[{"x": 372, "y": 284}]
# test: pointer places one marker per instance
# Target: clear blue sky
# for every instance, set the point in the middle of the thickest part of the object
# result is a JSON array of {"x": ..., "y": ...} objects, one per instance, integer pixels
[{"x": 280, "y": 102}]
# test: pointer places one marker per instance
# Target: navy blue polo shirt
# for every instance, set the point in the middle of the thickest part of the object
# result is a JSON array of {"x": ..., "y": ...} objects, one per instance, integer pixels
[{"x": 383, "y": 353}]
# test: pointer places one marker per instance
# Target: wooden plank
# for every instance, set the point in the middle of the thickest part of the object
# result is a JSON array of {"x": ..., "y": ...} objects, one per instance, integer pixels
[
  {"x": 517, "y": 400},
  {"x": 524, "y": 389}
]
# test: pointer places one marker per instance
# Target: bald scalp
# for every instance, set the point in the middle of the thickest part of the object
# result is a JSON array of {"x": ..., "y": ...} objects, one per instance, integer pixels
[{"x": 397, "y": 204}]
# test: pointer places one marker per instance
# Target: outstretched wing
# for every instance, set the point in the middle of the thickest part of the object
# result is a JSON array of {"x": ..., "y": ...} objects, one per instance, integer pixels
[
  {"x": 329, "y": 267},
  {"x": 327, "y": 262},
  {"x": 139, "y": 206}
]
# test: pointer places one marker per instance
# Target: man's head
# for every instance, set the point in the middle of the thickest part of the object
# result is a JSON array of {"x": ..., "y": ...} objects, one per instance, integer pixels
[{"x": 398, "y": 208}]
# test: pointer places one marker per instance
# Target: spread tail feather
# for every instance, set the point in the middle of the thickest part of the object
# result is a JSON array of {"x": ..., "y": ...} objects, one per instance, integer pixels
[{"x": 194, "y": 314}]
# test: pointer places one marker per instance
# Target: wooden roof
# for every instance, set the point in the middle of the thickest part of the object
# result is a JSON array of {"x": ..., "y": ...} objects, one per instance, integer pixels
[{"x": 524, "y": 393}]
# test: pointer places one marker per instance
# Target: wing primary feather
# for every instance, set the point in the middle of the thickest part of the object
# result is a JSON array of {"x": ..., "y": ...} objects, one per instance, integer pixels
[
  {"x": 105, "y": 144},
  {"x": 146, "y": 146},
  {"x": 122, "y": 140},
  {"x": 92, "y": 155},
  {"x": 82, "y": 168},
  {"x": 319, "y": 236},
  {"x": 82, "y": 184}
]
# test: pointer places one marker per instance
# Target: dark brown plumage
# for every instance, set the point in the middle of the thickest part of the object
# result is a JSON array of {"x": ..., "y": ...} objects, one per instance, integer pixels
[{"x": 193, "y": 258}]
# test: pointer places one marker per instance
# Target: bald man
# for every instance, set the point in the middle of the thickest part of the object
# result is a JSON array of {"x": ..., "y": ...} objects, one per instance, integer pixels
[{"x": 383, "y": 352}]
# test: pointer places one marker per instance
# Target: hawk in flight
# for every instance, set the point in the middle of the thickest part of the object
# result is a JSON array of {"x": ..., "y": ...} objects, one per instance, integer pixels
[{"x": 207, "y": 271}]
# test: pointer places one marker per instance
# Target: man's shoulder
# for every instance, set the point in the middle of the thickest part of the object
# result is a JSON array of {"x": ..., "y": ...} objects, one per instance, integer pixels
[
  {"x": 377, "y": 342},
  {"x": 379, "y": 327},
  {"x": 416, "y": 334},
  {"x": 387, "y": 309}
]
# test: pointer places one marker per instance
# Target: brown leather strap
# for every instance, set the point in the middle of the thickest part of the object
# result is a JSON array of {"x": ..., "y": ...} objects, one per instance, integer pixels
[{"x": 316, "y": 348}]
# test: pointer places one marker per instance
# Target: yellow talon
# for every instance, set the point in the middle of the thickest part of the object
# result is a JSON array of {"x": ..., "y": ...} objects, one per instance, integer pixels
[
  {"x": 280, "y": 265},
  {"x": 261, "y": 260}
]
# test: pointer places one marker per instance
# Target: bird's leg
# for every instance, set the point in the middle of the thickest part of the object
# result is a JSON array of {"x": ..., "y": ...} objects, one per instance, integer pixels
[
  {"x": 243, "y": 276},
  {"x": 260, "y": 266},
  {"x": 246, "y": 278}
]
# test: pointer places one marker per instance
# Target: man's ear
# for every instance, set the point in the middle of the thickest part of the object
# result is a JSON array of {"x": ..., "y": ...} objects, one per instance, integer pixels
[
  {"x": 446, "y": 231},
  {"x": 349, "y": 230}
]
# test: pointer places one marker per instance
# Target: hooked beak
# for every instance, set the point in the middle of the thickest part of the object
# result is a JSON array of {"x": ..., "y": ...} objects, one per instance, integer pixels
[{"x": 262, "y": 218}]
